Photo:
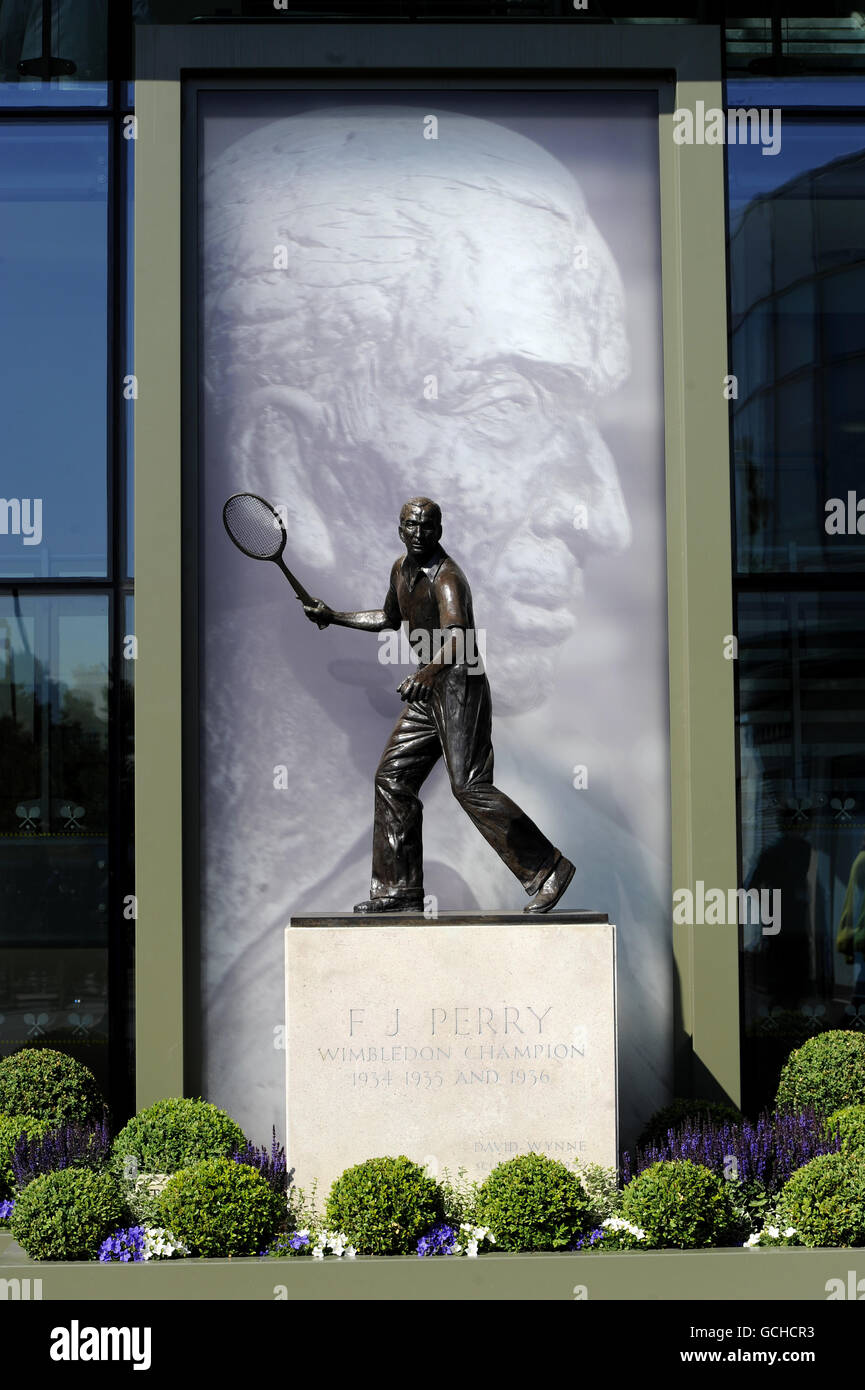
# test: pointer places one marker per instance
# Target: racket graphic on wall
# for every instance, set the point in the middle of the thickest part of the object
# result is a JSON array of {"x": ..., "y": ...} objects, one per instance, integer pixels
[{"x": 259, "y": 531}]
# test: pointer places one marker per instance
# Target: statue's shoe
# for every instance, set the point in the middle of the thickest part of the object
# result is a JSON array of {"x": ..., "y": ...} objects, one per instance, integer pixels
[
  {"x": 552, "y": 887},
  {"x": 399, "y": 903}
]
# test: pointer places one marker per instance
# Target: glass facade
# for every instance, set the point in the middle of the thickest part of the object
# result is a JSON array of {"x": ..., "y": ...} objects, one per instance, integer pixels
[
  {"x": 66, "y": 876},
  {"x": 54, "y": 348},
  {"x": 797, "y": 286}
]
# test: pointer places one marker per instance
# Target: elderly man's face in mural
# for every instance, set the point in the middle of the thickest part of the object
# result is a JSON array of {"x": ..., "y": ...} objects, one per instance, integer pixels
[{"x": 398, "y": 316}]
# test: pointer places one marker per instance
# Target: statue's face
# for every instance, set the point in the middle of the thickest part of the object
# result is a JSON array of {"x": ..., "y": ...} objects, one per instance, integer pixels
[
  {"x": 387, "y": 360},
  {"x": 420, "y": 533}
]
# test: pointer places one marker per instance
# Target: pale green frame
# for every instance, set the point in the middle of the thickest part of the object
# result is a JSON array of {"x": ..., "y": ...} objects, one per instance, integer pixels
[{"x": 702, "y": 728}]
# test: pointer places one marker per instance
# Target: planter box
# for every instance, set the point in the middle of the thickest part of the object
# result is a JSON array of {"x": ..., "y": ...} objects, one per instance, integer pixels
[{"x": 662, "y": 1275}]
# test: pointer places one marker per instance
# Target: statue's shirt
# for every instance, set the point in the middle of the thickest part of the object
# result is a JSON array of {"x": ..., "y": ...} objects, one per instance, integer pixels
[{"x": 429, "y": 599}]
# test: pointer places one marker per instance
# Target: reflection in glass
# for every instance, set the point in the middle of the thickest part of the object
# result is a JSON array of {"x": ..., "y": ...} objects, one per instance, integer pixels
[
  {"x": 802, "y": 802},
  {"x": 74, "y": 61},
  {"x": 54, "y": 824},
  {"x": 53, "y": 349},
  {"x": 797, "y": 263}
]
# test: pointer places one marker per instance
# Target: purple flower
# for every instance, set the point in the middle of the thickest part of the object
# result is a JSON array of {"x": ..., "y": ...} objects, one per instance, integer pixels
[
  {"x": 587, "y": 1242},
  {"x": 68, "y": 1146},
  {"x": 6, "y": 1209},
  {"x": 766, "y": 1150},
  {"x": 124, "y": 1246},
  {"x": 439, "y": 1241},
  {"x": 271, "y": 1165}
]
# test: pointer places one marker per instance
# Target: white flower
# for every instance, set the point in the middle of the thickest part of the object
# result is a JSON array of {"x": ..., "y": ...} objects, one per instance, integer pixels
[
  {"x": 753, "y": 1239},
  {"x": 318, "y": 1252},
  {"x": 773, "y": 1232},
  {"x": 351, "y": 1252},
  {"x": 790, "y": 1231}
]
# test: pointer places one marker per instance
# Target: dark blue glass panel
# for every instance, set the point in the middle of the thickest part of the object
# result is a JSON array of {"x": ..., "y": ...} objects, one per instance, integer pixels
[
  {"x": 797, "y": 268},
  {"x": 54, "y": 824},
  {"x": 797, "y": 91},
  {"x": 54, "y": 346},
  {"x": 79, "y": 37},
  {"x": 129, "y": 357},
  {"x": 802, "y": 802}
]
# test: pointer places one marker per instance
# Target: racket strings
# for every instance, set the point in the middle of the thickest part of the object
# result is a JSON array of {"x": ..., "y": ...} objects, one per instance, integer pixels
[{"x": 254, "y": 526}]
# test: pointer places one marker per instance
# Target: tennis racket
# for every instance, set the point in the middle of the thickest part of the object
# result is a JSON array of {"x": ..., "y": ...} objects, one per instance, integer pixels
[{"x": 259, "y": 531}]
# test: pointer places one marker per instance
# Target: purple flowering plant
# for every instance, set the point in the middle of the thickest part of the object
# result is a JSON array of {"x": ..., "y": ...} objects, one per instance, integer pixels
[
  {"x": 270, "y": 1163},
  {"x": 6, "y": 1209},
  {"x": 765, "y": 1151},
  {"x": 124, "y": 1246},
  {"x": 68, "y": 1146},
  {"x": 589, "y": 1241},
  {"x": 291, "y": 1243},
  {"x": 441, "y": 1240},
  {"x": 755, "y": 1156}
]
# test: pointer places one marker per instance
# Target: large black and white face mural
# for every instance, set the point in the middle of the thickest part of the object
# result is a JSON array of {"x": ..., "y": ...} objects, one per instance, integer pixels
[{"x": 455, "y": 295}]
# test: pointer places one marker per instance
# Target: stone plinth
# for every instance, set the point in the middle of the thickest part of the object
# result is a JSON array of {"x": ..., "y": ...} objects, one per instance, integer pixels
[{"x": 459, "y": 1041}]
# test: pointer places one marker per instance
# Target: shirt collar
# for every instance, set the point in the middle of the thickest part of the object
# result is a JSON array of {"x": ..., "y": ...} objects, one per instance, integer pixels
[{"x": 411, "y": 570}]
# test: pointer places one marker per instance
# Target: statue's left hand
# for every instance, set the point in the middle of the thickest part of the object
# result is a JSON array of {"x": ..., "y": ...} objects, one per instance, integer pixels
[{"x": 420, "y": 685}]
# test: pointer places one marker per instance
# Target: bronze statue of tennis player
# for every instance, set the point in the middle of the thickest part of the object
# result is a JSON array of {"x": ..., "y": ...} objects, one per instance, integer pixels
[{"x": 448, "y": 713}]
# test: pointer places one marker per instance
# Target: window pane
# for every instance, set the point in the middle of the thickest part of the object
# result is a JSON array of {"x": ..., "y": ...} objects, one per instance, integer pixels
[
  {"x": 79, "y": 38},
  {"x": 802, "y": 799},
  {"x": 54, "y": 825},
  {"x": 797, "y": 261},
  {"x": 843, "y": 321},
  {"x": 53, "y": 349}
]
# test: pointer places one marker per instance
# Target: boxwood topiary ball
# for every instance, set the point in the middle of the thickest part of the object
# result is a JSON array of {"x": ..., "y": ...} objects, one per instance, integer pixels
[
  {"x": 827, "y": 1072},
  {"x": 219, "y": 1207},
  {"x": 11, "y": 1129},
  {"x": 50, "y": 1086},
  {"x": 825, "y": 1200},
  {"x": 384, "y": 1205},
  {"x": 172, "y": 1134},
  {"x": 848, "y": 1125},
  {"x": 66, "y": 1215},
  {"x": 532, "y": 1202},
  {"x": 679, "y": 1204}
]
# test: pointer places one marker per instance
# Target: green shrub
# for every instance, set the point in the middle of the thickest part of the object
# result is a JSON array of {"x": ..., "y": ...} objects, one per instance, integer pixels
[
  {"x": 51, "y": 1086},
  {"x": 825, "y": 1200},
  {"x": 67, "y": 1215},
  {"x": 532, "y": 1202},
  {"x": 601, "y": 1186},
  {"x": 142, "y": 1195},
  {"x": 219, "y": 1207},
  {"x": 678, "y": 1204},
  {"x": 827, "y": 1072},
  {"x": 384, "y": 1205},
  {"x": 459, "y": 1197},
  {"x": 174, "y": 1134},
  {"x": 11, "y": 1128},
  {"x": 848, "y": 1125},
  {"x": 672, "y": 1116}
]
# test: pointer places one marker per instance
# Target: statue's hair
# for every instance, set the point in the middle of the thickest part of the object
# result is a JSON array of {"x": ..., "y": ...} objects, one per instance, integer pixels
[
  {"x": 371, "y": 219},
  {"x": 426, "y": 503}
]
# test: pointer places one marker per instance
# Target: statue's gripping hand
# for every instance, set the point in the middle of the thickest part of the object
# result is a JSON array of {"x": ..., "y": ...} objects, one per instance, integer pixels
[{"x": 318, "y": 613}]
